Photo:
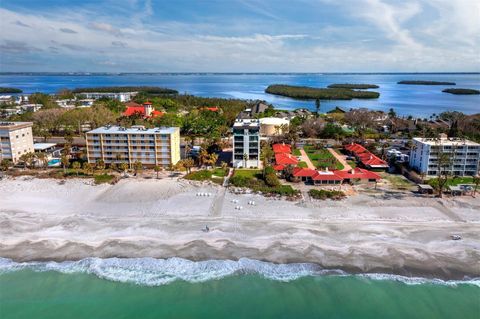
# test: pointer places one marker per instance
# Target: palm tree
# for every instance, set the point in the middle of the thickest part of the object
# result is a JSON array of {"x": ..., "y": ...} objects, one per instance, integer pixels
[
  {"x": 476, "y": 181},
  {"x": 137, "y": 167},
  {"x": 124, "y": 167},
  {"x": 203, "y": 157},
  {"x": 212, "y": 159},
  {"x": 65, "y": 161},
  {"x": 5, "y": 164},
  {"x": 43, "y": 158},
  {"x": 100, "y": 164},
  {"x": 188, "y": 164},
  {"x": 76, "y": 166},
  {"x": 87, "y": 167},
  {"x": 157, "y": 169}
]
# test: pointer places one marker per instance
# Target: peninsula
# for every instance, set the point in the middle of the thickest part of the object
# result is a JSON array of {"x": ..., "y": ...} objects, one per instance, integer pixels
[
  {"x": 426, "y": 83},
  {"x": 353, "y": 86},
  {"x": 305, "y": 92},
  {"x": 462, "y": 91}
]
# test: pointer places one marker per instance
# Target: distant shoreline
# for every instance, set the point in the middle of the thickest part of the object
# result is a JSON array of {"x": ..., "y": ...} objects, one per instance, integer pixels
[{"x": 223, "y": 73}]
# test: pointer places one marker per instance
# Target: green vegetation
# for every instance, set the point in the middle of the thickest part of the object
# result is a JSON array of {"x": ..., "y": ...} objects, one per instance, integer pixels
[
  {"x": 296, "y": 152},
  {"x": 353, "y": 86},
  {"x": 426, "y": 83},
  {"x": 454, "y": 181},
  {"x": 255, "y": 180},
  {"x": 324, "y": 194},
  {"x": 220, "y": 172},
  {"x": 119, "y": 89},
  {"x": 398, "y": 182},
  {"x": 103, "y": 178},
  {"x": 304, "y": 92},
  {"x": 353, "y": 164},
  {"x": 322, "y": 158},
  {"x": 202, "y": 175},
  {"x": 10, "y": 90},
  {"x": 302, "y": 165},
  {"x": 461, "y": 91}
]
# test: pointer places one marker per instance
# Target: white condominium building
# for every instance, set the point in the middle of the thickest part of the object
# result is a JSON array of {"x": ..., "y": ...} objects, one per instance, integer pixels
[
  {"x": 246, "y": 143},
  {"x": 16, "y": 139},
  {"x": 464, "y": 156},
  {"x": 121, "y": 96},
  {"x": 116, "y": 144}
]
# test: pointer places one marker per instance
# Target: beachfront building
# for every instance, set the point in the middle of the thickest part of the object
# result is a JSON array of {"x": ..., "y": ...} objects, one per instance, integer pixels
[
  {"x": 365, "y": 157},
  {"x": 121, "y": 96},
  {"x": 246, "y": 143},
  {"x": 464, "y": 156},
  {"x": 115, "y": 144},
  {"x": 16, "y": 139}
]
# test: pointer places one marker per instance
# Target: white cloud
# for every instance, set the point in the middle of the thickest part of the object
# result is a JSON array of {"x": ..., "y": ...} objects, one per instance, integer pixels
[{"x": 182, "y": 46}]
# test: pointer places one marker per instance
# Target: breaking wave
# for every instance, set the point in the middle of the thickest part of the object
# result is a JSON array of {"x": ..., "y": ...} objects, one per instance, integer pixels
[{"x": 157, "y": 272}]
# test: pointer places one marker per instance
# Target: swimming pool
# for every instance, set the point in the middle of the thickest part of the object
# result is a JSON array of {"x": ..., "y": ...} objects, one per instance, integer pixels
[{"x": 54, "y": 162}]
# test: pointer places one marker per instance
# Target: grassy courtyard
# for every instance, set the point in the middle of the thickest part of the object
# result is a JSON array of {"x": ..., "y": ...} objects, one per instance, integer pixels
[{"x": 322, "y": 158}]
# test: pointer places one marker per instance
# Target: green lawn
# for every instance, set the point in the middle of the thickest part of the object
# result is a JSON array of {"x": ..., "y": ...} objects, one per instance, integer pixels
[
  {"x": 454, "y": 181},
  {"x": 302, "y": 164},
  {"x": 296, "y": 152},
  {"x": 353, "y": 164},
  {"x": 220, "y": 172},
  {"x": 322, "y": 158},
  {"x": 250, "y": 173},
  {"x": 398, "y": 181}
]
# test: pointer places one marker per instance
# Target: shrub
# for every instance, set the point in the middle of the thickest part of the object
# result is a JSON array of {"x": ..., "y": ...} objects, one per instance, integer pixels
[
  {"x": 324, "y": 194},
  {"x": 272, "y": 180},
  {"x": 199, "y": 175}
]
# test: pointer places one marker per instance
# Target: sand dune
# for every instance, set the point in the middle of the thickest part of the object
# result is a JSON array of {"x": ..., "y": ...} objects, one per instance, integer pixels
[{"x": 43, "y": 220}]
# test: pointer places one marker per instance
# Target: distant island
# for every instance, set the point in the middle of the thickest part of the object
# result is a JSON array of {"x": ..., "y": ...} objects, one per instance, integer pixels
[
  {"x": 10, "y": 90},
  {"x": 353, "y": 86},
  {"x": 426, "y": 83},
  {"x": 462, "y": 91},
  {"x": 305, "y": 92},
  {"x": 119, "y": 89}
]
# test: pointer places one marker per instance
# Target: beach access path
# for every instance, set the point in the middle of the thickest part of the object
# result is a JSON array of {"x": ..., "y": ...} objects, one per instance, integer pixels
[
  {"x": 306, "y": 159},
  {"x": 341, "y": 159}
]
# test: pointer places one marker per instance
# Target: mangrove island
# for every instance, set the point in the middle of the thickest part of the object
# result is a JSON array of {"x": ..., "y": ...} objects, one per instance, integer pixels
[{"x": 304, "y": 92}]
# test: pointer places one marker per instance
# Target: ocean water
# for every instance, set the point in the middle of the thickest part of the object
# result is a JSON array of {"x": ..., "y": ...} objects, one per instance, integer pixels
[
  {"x": 421, "y": 101},
  {"x": 178, "y": 288}
]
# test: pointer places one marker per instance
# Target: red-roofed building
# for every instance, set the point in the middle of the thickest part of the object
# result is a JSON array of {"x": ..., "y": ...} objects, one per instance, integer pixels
[
  {"x": 212, "y": 109},
  {"x": 146, "y": 110},
  {"x": 366, "y": 158},
  {"x": 327, "y": 177},
  {"x": 282, "y": 148},
  {"x": 303, "y": 174},
  {"x": 285, "y": 159},
  {"x": 358, "y": 174}
]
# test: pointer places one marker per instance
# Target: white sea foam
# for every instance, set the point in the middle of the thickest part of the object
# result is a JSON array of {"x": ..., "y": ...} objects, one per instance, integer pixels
[{"x": 156, "y": 272}]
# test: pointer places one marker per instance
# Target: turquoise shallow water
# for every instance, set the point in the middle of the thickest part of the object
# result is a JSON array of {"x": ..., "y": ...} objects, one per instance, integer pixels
[{"x": 27, "y": 293}]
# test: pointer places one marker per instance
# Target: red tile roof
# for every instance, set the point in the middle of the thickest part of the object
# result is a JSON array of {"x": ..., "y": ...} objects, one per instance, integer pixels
[
  {"x": 213, "y": 109},
  {"x": 281, "y": 148},
  {"x": 135, "y": 108},
  {"x": 368, "y": 159},
  {"x": 303, "y": 172},
  {"x": 279, "y": 167},
  {"x": 326, "y": 176},
  {"x": 285, "y": 159},
  {"x": 358, "y": 173}
]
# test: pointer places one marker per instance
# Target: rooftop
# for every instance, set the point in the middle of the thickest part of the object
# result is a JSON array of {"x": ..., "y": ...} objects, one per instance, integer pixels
[
  {"x": 445, "y": 141},
  {"x": 14, "y": 125},
  {"x": 43, "y": 146},
  {"x": 246, "y": 123},
  {"x": 113, "y": 129}
]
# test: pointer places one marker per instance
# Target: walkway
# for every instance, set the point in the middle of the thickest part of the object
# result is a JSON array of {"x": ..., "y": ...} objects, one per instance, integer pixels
[
  {"x": 306, "y": 159},
  {"x": 341, "y": 159}
]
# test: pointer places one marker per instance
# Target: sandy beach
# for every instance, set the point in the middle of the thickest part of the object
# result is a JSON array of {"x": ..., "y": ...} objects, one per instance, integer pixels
[{"x": 42, "y": 219}]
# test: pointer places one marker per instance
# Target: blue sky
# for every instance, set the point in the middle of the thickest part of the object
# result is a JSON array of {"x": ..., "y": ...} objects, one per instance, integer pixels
[{"x": 240, "y": 35}]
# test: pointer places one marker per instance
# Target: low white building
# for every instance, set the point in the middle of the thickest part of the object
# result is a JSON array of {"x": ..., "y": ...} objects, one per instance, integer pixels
[
  {"x": 271, "y": 126},
  {"x": 121, "y": 96},
  {"x": 246, "y": 143},
  {"x": 464, "y": 156},
  {"x": 16, "y": 139}
]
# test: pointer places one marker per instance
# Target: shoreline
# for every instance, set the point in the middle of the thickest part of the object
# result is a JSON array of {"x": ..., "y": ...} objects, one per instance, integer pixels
[{"x": 163, "y": 219}]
